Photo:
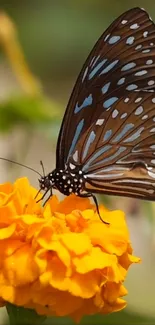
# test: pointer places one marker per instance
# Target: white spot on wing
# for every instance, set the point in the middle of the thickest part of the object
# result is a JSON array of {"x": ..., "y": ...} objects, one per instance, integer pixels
[
  {"x": 139, "y": 110},
  {"x": 115, "y": 113},
  {"x": 150, "y": 82},
  {"x": 123, "y": 22},
  {"x": 130, "y": 40},
  {"x": 126, "y": 100},
  {"x": 75, "y": 156},
  {"x": 152, "y": 130},
  {"x": 145, "y": 34},
  {"x": 114, "y": 39},
  {"x": 146, "y": 51},
  {"x": 123, "y": 115},
  {"x": 138, "y": 47},
  {"x": 153, "y": 100},
  {"x": 100, "y": 121},
  {"x": 149, "y": 61},
  {"x": 138, "y": 99},
  {"x": 145, "y": 117},
  {"x": 107, "y": 36},
  {"x": 85, "y": 73},
  {"x": 134, "y": 26},
  {"x": 92, "y": 60}
]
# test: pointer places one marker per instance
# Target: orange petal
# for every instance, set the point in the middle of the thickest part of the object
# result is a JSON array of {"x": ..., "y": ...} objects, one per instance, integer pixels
[
  {"x": 16, "y": 264},
  {"x": 73, "y": 202},
  {"x": 8, "y": 231},
  {"x": 96, "y": 259},
  {"x": 77, "y": 243},
  {"x": 84, "y": 285}
]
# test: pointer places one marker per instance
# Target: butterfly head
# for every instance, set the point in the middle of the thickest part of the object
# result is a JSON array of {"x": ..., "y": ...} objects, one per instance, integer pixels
[{"x": 45, "y": 183}]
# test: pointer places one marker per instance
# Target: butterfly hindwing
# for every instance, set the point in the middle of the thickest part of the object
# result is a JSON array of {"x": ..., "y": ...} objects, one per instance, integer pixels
[
  {"x": 121, "y": 63},
  {"x": 117, "y": 155}
]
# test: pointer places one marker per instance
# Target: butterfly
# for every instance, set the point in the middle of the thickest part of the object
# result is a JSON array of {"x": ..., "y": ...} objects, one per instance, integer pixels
[{"x": 106, "y": 142}]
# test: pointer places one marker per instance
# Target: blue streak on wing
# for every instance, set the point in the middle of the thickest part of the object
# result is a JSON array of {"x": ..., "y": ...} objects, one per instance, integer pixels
[
  {"x": 131, "y": 87},
  {"x": 96, "y": 69},
  {"x": 126, "y": 128},
  {"x": 135, "y": 135},
  {"x": 76, "y": 136},
  {"x": 110, "y": 102},
  {"x": 87, "y": 102},
  {"x": 109, "y": 67},
  {"x": 96, "y": 155},
  {"x": 91, "y": 138},
  {"x": 108, "y": 159},
  {"x": 120, "y": 81},
  {"x": 128, "y": 66},
  {"x": 104, "y": 176},
  {"x": 107, "y": 135},
  {"x": 105, "y": 88}
]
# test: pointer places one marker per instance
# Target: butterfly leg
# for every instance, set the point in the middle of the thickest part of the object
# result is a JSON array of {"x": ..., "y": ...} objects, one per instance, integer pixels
[
  {"x": 48, "y": 197},
  {"x": 44, "y": 196},
  {"x": 41, "y": 197},
  {"x": 96, "y": 203}
]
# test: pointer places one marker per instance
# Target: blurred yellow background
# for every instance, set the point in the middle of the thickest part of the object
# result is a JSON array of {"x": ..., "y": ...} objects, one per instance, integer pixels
[{"x": 55, "y": 37}]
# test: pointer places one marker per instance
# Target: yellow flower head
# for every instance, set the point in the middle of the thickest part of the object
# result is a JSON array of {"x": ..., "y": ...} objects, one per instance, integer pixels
[{"x": 61, "y": 260}]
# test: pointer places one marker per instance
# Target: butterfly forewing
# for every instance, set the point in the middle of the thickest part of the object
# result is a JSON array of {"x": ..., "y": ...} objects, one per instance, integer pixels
[{"x": 121, "y": 63}]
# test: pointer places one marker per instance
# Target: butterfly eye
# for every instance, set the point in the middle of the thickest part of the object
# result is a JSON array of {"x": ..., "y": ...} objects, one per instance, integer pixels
[{"x": 42, "y": 183}]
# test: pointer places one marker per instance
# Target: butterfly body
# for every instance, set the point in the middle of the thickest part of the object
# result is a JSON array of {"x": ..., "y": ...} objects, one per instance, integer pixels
[
  {"x": 106, "y": 142},
  {"x": 65, "y": 181}
]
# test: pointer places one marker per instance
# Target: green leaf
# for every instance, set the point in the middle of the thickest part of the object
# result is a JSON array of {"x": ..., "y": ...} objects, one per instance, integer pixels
[
  {"x": 28, "y": 111},
  {"x": 23, "y": 316}
]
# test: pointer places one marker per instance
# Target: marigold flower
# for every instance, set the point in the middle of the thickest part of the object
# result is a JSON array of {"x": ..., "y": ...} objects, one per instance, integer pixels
[{"x": 61, "y": 259}]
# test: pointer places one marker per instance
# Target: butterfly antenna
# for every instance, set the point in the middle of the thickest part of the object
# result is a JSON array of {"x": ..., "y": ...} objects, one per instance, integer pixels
[
  {"x": 16, "y": 163},
  {"x": 43, "y": 169}
]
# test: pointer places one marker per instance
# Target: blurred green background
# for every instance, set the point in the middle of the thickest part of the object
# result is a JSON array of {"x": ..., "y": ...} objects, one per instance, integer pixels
[{"x": 56, "y": 37}]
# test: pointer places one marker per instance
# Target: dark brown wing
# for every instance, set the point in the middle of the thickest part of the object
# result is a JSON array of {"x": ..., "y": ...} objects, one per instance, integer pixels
[{"x": 121, "y": 62}]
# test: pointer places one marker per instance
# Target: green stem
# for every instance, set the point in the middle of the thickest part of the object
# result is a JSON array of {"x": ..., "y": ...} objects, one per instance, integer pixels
[{"x": 23, "y": 316}]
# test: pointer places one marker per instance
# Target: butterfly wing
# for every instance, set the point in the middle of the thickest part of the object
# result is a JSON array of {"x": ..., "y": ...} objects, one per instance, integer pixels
[
  {"x": 122, "y": 61},
  {"x": 117, "y": 155}
]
